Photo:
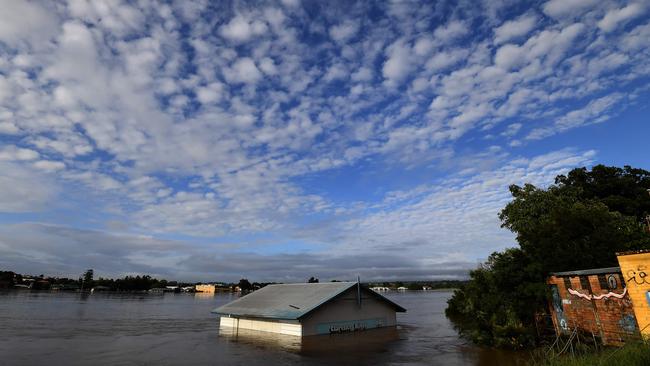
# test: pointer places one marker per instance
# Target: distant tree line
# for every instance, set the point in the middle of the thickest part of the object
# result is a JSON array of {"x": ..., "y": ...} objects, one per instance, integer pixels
[
  {"x": 579, "y": 222},
  {"x": 86, "y": 281}
]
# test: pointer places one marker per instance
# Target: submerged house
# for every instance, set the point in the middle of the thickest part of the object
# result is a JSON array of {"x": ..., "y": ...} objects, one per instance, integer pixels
[{"x": 305, "y": 309}]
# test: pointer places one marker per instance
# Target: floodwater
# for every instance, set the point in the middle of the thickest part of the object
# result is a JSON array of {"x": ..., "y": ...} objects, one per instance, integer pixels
[{"x": 48, "y": 328}]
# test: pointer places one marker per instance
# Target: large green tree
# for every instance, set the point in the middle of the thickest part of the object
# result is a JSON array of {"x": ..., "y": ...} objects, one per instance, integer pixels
[{"x": 580, "y": 222}]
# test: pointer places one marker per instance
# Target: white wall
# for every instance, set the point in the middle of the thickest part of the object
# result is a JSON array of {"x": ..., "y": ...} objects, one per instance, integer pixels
[{"x": 263, "y": 325}]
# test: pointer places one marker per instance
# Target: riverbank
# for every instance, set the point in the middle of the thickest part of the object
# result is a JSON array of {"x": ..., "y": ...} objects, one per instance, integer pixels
[{"x": 632, "y": 354}]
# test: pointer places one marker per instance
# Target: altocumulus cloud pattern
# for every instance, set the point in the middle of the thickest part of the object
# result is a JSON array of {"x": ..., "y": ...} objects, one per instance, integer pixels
[{"x": 274, "y": 140}]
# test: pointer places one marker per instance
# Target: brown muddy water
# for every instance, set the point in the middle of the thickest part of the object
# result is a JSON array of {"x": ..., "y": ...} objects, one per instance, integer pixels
[{"x": 48, "y": 328}]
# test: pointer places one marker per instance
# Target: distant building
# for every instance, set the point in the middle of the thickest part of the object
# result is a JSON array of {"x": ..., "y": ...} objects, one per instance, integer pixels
[
  {"x": 206, "y": 288},
  {"x": 380, "y": 289},
  {"x": 306, "y": 309}
]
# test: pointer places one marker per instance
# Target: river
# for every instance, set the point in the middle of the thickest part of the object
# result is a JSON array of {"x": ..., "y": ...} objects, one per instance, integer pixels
[{"x": 49, "y": 328}]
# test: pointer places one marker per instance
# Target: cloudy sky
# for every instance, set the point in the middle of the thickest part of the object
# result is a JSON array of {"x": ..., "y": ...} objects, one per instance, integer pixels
[{"x": 280, "y": 140}]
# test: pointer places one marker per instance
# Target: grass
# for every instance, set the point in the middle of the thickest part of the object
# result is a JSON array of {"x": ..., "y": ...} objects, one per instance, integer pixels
[{"x": 632, "y": 354}]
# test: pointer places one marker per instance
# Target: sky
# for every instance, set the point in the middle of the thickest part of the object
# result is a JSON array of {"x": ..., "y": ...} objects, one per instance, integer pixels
[{"x": 215, "y": 140}]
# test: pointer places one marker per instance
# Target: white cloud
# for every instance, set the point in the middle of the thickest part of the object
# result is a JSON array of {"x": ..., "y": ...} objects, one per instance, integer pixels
[
  {"x": 614, "y": 18},
  {"x": 514, "y": 29},
  {"x": 49, "y": 165},
  {"x": 512, "y": 129},
  {"x": 443, "y": 60},
  {"x": 24, "y": 189},
  {"x": 335, "y": 72},
  {"x": 594, "y": 112},
  {"x": 11, "y": 153},
  {"x": 210, "y": 93},
  {"x": 268, "y": 66},
  {"x": 8, "y": 128},
  {"x": 398, "y": 62},
  {"x": 25, "y": 20},
  {"x": 362, "y": 74},
  {"x": 565, "y": 8},
  {"x": 510, "y": 56},
  {"x": 243, "y": 70},
  {"x": 344, "y": 31},
  {"x": 242, "y": 29},
  {"x": 449, "y": 216},
  {"x": 451, "y": 31}
]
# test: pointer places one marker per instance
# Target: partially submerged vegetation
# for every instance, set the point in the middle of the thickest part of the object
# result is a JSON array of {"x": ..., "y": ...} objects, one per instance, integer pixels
[{"x": 580, "y": 222}]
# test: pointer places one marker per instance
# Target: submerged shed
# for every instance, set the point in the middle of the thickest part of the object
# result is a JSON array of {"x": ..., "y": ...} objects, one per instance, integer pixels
[{"x": 305, "y": 309}]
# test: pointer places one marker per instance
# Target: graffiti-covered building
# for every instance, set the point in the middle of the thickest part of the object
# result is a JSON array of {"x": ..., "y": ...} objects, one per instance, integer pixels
[
  {"x": 611, "y": 303},
  {"x": 594, "y": 301}
]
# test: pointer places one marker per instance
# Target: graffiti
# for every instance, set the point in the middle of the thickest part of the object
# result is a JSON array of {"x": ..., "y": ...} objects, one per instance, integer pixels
[
  {"x": 598, "y": 297},
  {"x": 639, "y": 276},
  {"x": 559, "y": 310},
  {"x": 563, "y": 324},
  {"x": 628, "y": 323},
  {"x": 349, "y": 326},
  {"x": 612, "y": 282}
]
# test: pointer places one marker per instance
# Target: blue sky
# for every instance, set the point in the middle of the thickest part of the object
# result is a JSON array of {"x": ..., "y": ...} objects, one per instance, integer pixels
[{"x": 288, "y": 139}]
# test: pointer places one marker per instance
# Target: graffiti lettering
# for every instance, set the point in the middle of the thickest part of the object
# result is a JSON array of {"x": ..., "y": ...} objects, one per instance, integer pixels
[
  {"x": 347, "y": 328},
  {"x": 598, "y": 297},
  {"x": 639, "y": 276}
]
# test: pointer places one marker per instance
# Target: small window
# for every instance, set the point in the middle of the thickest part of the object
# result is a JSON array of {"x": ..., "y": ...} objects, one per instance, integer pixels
[{"x": 584, "y": 283}]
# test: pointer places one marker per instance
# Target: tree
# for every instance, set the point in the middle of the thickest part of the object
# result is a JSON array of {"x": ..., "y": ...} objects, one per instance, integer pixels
[
  {"x": 312, "y": 280},
  {"x": 565, "y": 231},
  {"x": 244, "y": 285},
  {"x": 87, "y": 279},
  {"x": 580, "y": 222},
  {"x": 624, "y": 190}
]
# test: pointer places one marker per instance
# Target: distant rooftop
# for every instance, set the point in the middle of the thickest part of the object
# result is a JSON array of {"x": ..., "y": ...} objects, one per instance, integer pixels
[{"x": 291, "y": 301}]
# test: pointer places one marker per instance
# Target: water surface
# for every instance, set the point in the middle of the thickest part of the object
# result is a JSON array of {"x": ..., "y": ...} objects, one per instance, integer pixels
[{"x": 173, "y": 329}]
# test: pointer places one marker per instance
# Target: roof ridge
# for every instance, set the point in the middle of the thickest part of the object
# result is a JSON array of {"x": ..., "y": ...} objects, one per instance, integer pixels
[{"x": 307, "y": 283}]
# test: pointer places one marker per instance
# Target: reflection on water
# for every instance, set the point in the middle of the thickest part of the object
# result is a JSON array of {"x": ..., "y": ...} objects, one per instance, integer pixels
[
  {"x": 175, "y": 329},
  {"x": 370, "y": 341}
]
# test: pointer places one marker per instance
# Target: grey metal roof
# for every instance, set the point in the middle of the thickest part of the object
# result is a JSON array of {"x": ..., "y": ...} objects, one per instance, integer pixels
[
  {"x": 587, "y": 272},
  {"x": 290, "y": 301}
]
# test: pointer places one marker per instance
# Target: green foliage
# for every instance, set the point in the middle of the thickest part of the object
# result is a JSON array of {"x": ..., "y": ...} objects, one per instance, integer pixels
[{"x": 578, "y": 223}]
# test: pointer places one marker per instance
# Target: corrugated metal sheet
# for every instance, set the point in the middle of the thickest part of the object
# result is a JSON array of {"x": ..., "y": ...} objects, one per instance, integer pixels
[
  {"x": 289, "y": 301},
  {"x": 587, "y": 272}
]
